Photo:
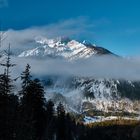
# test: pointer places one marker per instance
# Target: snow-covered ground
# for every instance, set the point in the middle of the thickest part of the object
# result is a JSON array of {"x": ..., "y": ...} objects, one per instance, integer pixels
[{"x": 88, "y": 119}]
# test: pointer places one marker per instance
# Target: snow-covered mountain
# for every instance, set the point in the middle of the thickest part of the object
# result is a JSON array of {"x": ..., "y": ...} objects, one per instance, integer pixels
[
  {"x": 82, "y": 94},
  {"x": 86, "y": 95},
  {"x": 63, "y": 47}
]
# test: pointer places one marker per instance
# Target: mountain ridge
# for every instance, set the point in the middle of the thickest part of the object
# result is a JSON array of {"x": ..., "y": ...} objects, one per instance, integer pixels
[
  {"x": 85, "y": 94},
  {"x": 64, "y": 48}
]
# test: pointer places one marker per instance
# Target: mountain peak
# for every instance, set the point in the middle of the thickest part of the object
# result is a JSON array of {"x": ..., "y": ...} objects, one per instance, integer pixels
[
  {"x": 87, "y": 43},
  {"x": 64, "y": 47}
]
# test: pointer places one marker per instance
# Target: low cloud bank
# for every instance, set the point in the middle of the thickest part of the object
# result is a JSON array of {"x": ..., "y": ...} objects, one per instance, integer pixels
[{"x": 96, "y": 67}]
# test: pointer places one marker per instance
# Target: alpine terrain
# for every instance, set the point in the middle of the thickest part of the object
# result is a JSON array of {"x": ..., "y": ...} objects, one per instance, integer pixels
[{"x": 94, "y": 99}]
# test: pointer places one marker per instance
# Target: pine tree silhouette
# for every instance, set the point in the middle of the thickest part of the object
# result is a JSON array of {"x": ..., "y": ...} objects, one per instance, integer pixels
[
  {"x": 50, "y": 127},
  {"x": 61, "y": 122},
  {"x": 26, "y": 79},
  {"x": 6, "y": 76},
  {"x": 32, "y": 106},
  {"x": 8, "y": 101}
]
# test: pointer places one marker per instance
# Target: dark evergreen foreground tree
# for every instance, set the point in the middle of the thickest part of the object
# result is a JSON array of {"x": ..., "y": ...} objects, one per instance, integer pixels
[
  {"x": 8, "y": 102},
  {"x": 32, "y": 108},
  {"x": 66, "y": 126},
  {"x": 61, "y": 123},
  {"x": 50, "y": 125},
  {"x": 26, "y": 79}
]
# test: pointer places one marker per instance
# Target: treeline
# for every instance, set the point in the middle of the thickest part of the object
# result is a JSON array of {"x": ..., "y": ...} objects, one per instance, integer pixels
[{"x": 28, "y": 116}]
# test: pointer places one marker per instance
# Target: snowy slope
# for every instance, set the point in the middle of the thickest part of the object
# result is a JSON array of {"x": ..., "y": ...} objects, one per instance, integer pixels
[
  {"x": 63, "y": 47},
  {"x": 84, "y": 95}
]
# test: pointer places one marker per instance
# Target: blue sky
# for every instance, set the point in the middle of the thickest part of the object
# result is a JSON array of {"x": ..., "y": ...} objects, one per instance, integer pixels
[{"x": 115, "y": 24}]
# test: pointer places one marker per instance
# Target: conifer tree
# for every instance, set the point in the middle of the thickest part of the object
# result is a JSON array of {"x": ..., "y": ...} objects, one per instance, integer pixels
[
  {"x": 60, "y": 110},
  {"x": 8, "y": 101},
  {"x": 3, "y": 109},
  {"x": 70, "y": 127},
  {"x": 50, "y": 121},
  {"x": 61, "y": 123},
  {"x": 25, "y": 78},
  {"x": 6, "y": 76},
  {"x": 32, "y": 109}
]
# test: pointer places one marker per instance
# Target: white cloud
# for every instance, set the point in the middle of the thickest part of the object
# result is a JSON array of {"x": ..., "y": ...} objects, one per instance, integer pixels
[
  {"x": 81, "y": 27},
  {"x": 97, "y": 67}
]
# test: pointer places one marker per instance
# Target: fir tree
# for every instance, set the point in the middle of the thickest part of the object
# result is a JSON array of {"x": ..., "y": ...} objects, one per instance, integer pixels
[
  {"x": 60, "y": 110},
  {"x": 6, "y": 77},
  {"x": 61, "y": 122},
  {"x": 70, "y": 127},
  {"x": 8, "y": 101},
  {"x": 50, "y": 121},
  {"x": 25, "y": 78},
  {"x": 32, "y": 111}
]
